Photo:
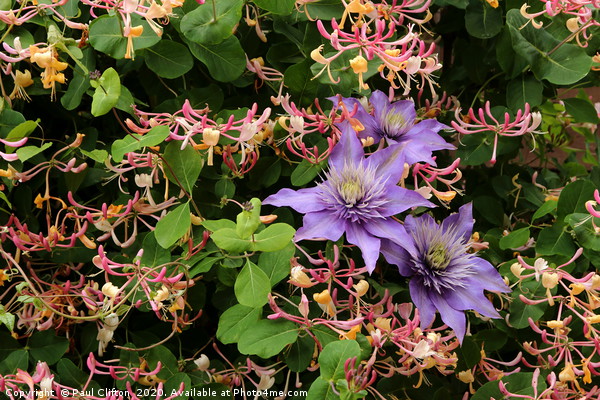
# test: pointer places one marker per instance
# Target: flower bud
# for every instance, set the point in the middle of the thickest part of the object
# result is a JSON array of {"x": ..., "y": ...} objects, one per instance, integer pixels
[
  {"x": 299, "y": 277},
  {"x": 359, "y": 64},
  {"x": 567, "y": 374},
  {"x": 202, "y": 362},
  {"x": 516, "y": 269},
  {"x": 210, "y": 136},
  {"x": 466, "y": 376},
  {"x": 549, "y": 280},
  {"x": 361, "y": 287},
  {"x": 110, "y": 290}
]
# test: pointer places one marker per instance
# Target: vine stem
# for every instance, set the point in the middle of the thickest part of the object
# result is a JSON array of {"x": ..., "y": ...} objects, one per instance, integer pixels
[
  {"x": 568, "y": 38},
  {"x": 214, "y": 7}
]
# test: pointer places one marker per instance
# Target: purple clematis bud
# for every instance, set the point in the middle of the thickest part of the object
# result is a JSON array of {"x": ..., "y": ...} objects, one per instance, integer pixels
[
  {"x": 358, "y": 197},
  {"x": 395, "y": 122},
  {"x": 444, "y": 276}
]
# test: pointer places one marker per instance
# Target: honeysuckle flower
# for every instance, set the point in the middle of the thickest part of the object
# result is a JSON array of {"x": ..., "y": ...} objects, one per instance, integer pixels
[
  {"x": 395, "y": 122},
  {"x": 444, "y": 276},
  {"x": 358, "y": 197}
]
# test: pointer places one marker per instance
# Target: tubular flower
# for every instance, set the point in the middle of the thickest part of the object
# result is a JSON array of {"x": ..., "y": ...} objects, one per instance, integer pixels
[
  {"x": 358, "y": 197},
  {"x": 395, "y": 122},
  {"x": 444, "y": 276}
]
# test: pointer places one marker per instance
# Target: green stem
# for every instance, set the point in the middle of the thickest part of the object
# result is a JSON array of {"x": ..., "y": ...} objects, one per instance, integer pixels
[
  {"x": 214, "y": 4},
  {"x": 483, "y": 87},
  {"x": 568, "y": 38}
]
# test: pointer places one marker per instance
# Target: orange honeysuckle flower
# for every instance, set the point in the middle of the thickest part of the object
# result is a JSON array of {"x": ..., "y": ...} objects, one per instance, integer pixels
[
  {"x": 48, "y": 59},
  {"x": 22, "y": 80},
  {"x": 130, "y": 33}
]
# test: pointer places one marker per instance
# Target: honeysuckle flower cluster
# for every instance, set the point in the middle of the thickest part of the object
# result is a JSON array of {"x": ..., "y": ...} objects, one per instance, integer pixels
[
  {"x": 483, "y": 120},
  {"x": 581, "y": 21}
]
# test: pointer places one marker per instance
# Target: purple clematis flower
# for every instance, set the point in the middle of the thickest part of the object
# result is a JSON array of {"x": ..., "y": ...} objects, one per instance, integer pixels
[
  {"x": 358, "y": 197},
  {"x": 444, "y": 276},
  {"x": 395, "y": 122}
]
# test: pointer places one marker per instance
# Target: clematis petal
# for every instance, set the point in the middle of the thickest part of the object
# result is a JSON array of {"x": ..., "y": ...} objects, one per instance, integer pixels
[
  {"x": 470, "y": 299},
  {"x": 303, "y": 200},
  {"x": 461, "y": 222},
  {"x": 396, "y": 255},
  {"x": 453, "y": 318},
  {"x": 367, "y": 243},
  {"x": 389, "y": 162},
  {"x": 348, "y": 149},
  {"x": 402, "y": 199},
  {"x": 487, "y": 277},
  {"x": 420, "y": 296},
  {"x": 321, "y": 224}
]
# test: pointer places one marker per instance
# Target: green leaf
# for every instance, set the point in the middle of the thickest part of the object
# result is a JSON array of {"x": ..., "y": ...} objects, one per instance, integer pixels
[
  {"x": 228, "y": 240},
  {"x": 126, "y": 101},
  {"x": 166, "y": 358},
  {"x": 173, "y": 226},
  {"x": 75, "y": 91},
  {"x": 252, "y": 286},
  {"x": 524, "y": 89},
  {"x": 321, "y": 390},
  {"x": 184, "y": 164},
  {"x": 299, "y": 79},
  {"x": 268, "y": 338},
  {"x": 482, "y": 20},
  {"x": 333, "y": 357},
  {"x": 581, "y": 110},
  {"x": 134, "y": 142},
  {"x": 18, "y": 359},
  {"x": 173, "y": 384},
  {"x": 204, "y": 265},
  {"x": 469, "y": 354},
  {"x": 273, "y": 238},
  {"x": 573, "y": 197},
  {"x": 225, "y": 61},
  {"x": 546, "y": 208},
  {"x": 27, "y": 152},
  {"x": 521, "y": 312},
  {"x": 562, "y": 65},
  {"x": 555, "y": 240},
  {"x": 9, "y": 119},
  {"x": 476, "y": 149},
  {"x": 515, "y": 239},
  {"x": 299, "y": 355},
  {"x": 169, "y": 59},
  {"x": 46, "y": 346},
  {"x": 24, "y": 129},
  {"x": 282, "y": 7},
  {"x": 107, "y": 92},
  {"x": 305, "y": 172},
  {"x": 249, "y": 221},
  {"x": 106, "y": 35},
  {"x": 584, "y": 230},
  {"x": 236, "y": 322},
  {"x": 276, "y": 264},
  {"x": 519, "y": 384},
  {"x": 154, "y": 254},
  {"x": 70, "y": 375},
  {"x": 210, "y": 26},
  {"x": 215, "y": 225},
  {"x": 97, "y": 155},
  {"x": 7, "y": 319}
]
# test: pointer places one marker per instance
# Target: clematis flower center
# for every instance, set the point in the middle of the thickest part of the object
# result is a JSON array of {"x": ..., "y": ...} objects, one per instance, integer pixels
[
  {"x": 354, "y": 192},
  {"x": 436, "y": 257},
  {"x": 394, "y": 124},
  {"x": 351, "y": 191}
]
